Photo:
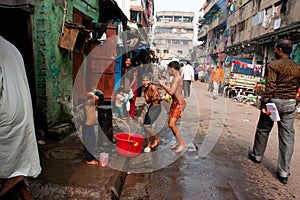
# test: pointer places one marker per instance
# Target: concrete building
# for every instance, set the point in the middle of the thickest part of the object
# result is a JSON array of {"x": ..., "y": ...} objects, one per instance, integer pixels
[
  {"x": 174, "y": 33},
  {"x": 246, "y": 29}
]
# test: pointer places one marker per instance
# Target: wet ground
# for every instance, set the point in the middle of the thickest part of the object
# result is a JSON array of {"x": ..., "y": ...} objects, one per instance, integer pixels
[
  {"x": 219, "y": 134},
  {"x": 224, "y": 172}
]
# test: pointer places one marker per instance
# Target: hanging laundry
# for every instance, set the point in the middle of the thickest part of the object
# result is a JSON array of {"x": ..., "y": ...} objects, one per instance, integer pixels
[
  {"x": 232, "y": 8},
  {"x": 267, "y": 18},
  {"x": 277, "y": 23}
]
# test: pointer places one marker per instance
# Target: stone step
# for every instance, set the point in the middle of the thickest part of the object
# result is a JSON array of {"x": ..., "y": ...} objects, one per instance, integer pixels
[{"x": 60, "y": 132}]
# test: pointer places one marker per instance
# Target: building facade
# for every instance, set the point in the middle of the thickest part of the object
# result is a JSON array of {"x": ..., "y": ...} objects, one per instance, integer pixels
[
  {"x": 173, "y": 36},
  {"x": 246, "y": 29}
]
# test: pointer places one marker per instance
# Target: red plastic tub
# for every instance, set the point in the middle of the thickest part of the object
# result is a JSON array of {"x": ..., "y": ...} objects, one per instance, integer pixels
[{"x": 129, "y": 144}]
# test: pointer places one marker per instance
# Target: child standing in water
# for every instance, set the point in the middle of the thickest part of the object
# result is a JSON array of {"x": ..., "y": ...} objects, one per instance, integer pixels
[
  {"x": 178, "y": 103},
  {"x": 153, "y": 98},
  {"x": 88, "y": 131}
]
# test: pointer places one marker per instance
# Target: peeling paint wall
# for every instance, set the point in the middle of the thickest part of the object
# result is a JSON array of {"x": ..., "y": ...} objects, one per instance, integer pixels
[{"x": 53, "y": 64}]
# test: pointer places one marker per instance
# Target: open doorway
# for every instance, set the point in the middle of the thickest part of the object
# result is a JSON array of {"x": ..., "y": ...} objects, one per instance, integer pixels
[{"x": 18, "y": 31}]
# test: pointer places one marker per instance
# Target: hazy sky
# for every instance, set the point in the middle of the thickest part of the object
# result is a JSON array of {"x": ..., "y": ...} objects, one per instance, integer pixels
[{"x": 178, "y": 5}]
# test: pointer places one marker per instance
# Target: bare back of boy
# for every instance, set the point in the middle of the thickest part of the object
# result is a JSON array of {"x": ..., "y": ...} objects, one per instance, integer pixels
[{"x": 90, "y": 112}]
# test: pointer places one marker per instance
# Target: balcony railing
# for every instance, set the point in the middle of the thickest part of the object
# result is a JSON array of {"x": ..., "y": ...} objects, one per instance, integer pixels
[{"x": 210, "y": 5}]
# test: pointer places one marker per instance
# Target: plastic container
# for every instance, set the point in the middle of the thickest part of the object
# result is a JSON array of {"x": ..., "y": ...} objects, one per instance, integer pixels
[
  {"x": 103, "y": 159},
  {"x": 129, "y": 144}
]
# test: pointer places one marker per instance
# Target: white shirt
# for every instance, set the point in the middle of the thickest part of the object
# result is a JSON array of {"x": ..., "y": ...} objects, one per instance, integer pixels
[{"x": 187, "y": 72}]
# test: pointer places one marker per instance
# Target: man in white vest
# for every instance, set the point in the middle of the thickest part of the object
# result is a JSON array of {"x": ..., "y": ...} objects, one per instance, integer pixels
[{"x": 19, "y": 156}]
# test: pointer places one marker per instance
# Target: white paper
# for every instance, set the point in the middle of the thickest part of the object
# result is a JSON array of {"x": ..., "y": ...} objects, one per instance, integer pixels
[{"x": 275, "y": 115}]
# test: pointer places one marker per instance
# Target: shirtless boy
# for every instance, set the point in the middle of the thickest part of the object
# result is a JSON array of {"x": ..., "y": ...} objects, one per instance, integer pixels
[
  {"x": 178, "y": 103},
  {"x": 88, "y": 131},
  {"x": 153, "y": 98}
]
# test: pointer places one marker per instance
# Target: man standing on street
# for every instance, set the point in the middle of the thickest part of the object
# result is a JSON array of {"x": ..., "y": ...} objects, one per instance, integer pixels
[
  {"x": 187, "y": 74},
  {"x": 216, "y": 78},
  {"x": 283, "y": 78}
]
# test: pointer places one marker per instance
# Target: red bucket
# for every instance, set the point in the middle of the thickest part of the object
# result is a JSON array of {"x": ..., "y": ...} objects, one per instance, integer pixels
[{"x": 129, "y": 144}]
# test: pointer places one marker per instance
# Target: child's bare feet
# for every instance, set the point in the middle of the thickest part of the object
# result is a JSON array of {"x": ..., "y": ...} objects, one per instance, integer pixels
[
  {"x": 155, "y": 142},
  {"x": 180, "y": 148},
  {"x": 93, "y": 162},
  {"x": 174, "y": 145}
]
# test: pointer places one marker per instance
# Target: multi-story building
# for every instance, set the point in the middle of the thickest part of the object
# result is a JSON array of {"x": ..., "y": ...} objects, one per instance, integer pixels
[
  {"x": 247, "y": 29},
  {"x": 174, "y": 33}
]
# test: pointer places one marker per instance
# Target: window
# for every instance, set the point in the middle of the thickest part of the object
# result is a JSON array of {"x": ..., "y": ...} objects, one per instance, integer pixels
[
  {"x": 165, "y": 19},
  {"x": 179, "y": 52},
  {"x": 166, "y": 51},
  {"x": 187, "y": 19},
  {"x": 177, "y": 19},
  {"x": 175, "y": 41}
]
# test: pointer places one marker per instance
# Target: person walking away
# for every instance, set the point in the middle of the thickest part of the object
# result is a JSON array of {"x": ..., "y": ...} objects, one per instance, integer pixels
[
  {"x": 19, "y": 156},
  {"x": 216, "y": 78},
  {"x": 153, "y": 99},
  {"x": 196, "y": 73},
  {"x": 283, "y": 78},
  {"x": 187, "y": 73},
  {"x": 88, "y": 128},
  {"x": 208, "y": 75},
  {"x": 178, "y": 103}
]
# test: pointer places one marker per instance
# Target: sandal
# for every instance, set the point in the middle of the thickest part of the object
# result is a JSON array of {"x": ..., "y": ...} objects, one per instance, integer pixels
[{"x": 147, "y": 149}]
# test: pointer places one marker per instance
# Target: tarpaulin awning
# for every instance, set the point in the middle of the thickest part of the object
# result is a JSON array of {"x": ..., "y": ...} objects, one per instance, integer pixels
[
  {"x": 146, "y": 48},
  {"x": 109, "y": 10},
  {"x": 231, "y": 59}
]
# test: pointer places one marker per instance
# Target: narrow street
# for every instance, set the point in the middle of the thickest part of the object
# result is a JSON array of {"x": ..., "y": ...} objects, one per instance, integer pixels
[
  {"x": 76, "y": 63},
  {"x": 225, "y": 172}
]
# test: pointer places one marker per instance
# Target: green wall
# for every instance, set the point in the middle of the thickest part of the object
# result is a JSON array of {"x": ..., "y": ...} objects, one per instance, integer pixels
[{"x": 54, "y": 64}]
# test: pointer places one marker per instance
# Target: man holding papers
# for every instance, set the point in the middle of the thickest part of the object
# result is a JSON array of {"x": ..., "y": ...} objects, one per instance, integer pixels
[{"x": 283, "y": 78}]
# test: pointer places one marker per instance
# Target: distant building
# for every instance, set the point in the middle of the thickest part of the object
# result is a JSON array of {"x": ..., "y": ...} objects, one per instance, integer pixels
[
  {"x": 173, "y": 37},
  {"x": 246, "y": 29}
]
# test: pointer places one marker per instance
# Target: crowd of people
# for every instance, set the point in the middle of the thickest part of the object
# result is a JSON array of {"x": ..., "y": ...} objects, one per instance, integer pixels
[{"x": 138, "y": 81}]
